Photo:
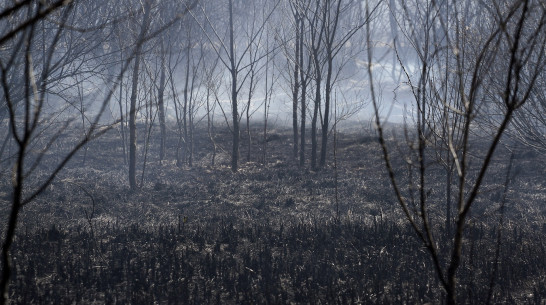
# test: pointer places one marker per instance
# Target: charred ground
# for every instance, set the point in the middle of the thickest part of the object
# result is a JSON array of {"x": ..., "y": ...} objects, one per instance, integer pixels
[{"x": 271, "y": 233}]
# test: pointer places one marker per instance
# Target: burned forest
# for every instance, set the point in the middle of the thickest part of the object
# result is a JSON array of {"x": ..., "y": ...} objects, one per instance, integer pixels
[{"x": 273, "y": 152}]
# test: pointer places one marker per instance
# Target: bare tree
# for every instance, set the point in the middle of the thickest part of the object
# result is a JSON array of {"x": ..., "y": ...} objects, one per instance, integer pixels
[
  {"x": 295, "y": 69},
  {"x": 299, "y": 69},
  {"x": 35, "y": 66},
  {"x": 161, "y": 101},
  {"x": 325, "y": 42},
  {"x": 254, "y": 74},
  {"x": 148, "y": 28},
  {"x": 25, "y": 101},
  {"x": 235, "y": 62},
  {"x": 269, "y": 84},
  {"x": 305, "y": 77},
  {"x": 144, "y": 25},
  {"x": 212, "y": 84},
  {"x": 529, "y": 124},
  {"x": 337, "y": 14},
  {"x": 316, "y": 31},
  {"x": 459, "y": 57}
]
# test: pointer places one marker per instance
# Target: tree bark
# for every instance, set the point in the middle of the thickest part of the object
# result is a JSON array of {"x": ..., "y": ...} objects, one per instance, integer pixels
[
  {"x": 303, "y": 80},
  {"x": 134, "y": 92},
  {"x": 132, "y": 124},
  {"x": 185, "y": 106},
  {"x": 314, "y": 123},
  {"x": 249, "y": 136},
  {"x": 161, "y": 106},
  {"x": 210, "y": 126},
  {"x": 122, "y": 119},
  {"x": 330, "y": 53},
  {"x": 234, "y": 105},
  {"x": 12, "y": 223},
  {"x": 325, "y": 124},
  {"x": 296, "y": 88}
]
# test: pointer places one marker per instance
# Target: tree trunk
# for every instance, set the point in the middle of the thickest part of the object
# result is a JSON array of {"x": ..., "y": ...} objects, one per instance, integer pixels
[
  {"x": 178, "y": 115},
  {"x": 122, "y": 118},
  {"x": 185, "y": 106},
  {"x": 161, "y": 106},
  {"x": 191, "y": 127},
  {"x": 210, "y": 125},
  {"x": 12, "y": 223},
  {"x": 134, "y": 91},
  {"x": 234, "y": 106},
  {"x": 249, "y": 136},
  {"x": 328, "y": 89},
  {"x": 303, "y": 98},
  {"x": 266, "y": 108},
  {"x": 235, "y": 116},
  {"x": 330, "y": 37},
  {"x": 303, "y": 120},
  {"x": 314, "y": 123},
  {"x": 296, "y": 88},
  {"x": 132, "y": 124},
  {"x": 315, "y": 109},
  {"x": 448, "y": 197}
]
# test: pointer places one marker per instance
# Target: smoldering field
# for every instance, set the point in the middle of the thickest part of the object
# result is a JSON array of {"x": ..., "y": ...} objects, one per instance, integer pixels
[{"x": 271, "y": 233}]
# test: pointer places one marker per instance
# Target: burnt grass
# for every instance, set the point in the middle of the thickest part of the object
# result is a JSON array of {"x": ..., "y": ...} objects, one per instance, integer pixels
[{"x": 272, "y": 233}]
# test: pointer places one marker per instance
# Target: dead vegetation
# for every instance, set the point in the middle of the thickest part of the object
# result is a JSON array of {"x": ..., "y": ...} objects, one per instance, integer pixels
[{"x": 270, "y": 233}]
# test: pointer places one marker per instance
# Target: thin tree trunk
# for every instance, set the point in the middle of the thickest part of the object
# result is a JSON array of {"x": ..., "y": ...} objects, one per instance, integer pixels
[
  {"x": 150, "y": 125},
  {"x": 264, "y": 146},
  {"x": 161, "y": 107},
  {"x": 82, "y": 112},
  {"x": 248, "y": 134},
  {"x": 303, "y": 120},
  {"x": 132, "y": 125},
  {"x": 303, "y": 98},
  {"x": 328, "y": 91},
  {"x": 134, "y": 91},
  {"x": 12, "y": 223},
  {"x": 266, "y": 109},
  {"x": 315, "y": 109},
  {"x": 178, "y": 114},
  {"x": 210, "y": 123},
  {"x": 314, "y": 124},
  {"x": 122, "y": 121},
  {"x": 296, "y": 88},
  {"x": 191, "y": 127},
  {"x": 330, "y": 37},
  {"x": 316, "y": 45},
  {"x": 5, "y": 143},
  {"x": 234, "y": 106},
  {"x": 448, "y": 197},
  {"x": 185, "y": 106}
]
